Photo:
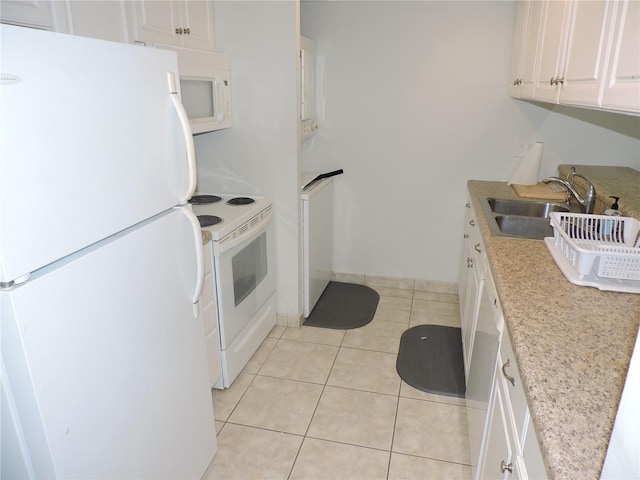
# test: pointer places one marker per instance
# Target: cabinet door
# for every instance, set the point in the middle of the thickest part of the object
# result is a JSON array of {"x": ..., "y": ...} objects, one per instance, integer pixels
[
  {"x": 552, "y": 48},
  {"x": 622, "y": 90},
  {"x": 103, "y": 19},
  {"x": 197, "y": 19},
  {"x": 498, "y": 452},
  {"x": 155, "y": 22},
  {"x": 587, "y": 52},
  {"x": 530, "y": 50},
  {"x": 36, "y": 13},
  {"x": 519, "y": 46}
]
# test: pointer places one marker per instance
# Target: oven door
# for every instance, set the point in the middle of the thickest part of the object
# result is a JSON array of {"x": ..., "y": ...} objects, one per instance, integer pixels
[{"x": 245, "y": 280}]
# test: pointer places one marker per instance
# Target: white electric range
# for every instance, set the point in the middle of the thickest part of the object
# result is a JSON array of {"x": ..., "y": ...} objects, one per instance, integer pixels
[{"x": 243, "y": 268}]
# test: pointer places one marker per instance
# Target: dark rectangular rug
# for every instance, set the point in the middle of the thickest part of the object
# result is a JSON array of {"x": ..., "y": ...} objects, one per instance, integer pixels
[
  {"x": 344, "y": 306},
  {"x": 430, "y": 359}
]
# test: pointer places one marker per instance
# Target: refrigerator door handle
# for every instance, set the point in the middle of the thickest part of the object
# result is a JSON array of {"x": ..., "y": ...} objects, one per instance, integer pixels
[
  {"x": 197, "y": 238},
  {"x": 188, "y": 138}
]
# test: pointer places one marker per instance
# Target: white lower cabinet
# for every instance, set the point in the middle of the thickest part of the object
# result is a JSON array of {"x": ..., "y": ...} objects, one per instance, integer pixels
[
  {"x": 209, "y": 316},
  {"x": 511, "y": 448},
  {"x": 470, "y": 283}
]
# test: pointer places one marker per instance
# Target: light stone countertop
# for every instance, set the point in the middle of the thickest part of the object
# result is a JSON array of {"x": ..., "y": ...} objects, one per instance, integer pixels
[{"x": 572, "y": 344}]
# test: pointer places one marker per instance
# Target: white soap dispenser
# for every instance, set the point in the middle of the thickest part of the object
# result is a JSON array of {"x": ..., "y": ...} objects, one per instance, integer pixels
[{"x": 613, "y": 211}]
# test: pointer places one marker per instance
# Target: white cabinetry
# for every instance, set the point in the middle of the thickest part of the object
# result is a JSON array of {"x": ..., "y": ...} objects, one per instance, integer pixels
[
  {"x": 34, "y": 13},
  {"x": 582, "y": 79},
  {"x": 622, "y": 90},
  {"x": 470, "y": 283},
  {"x": 486, "y": 336},
  {"x": 578, "y": 52},
  {"x": 187, "y": 24},
  {"x": 103, "y": 19},
  {"x": 512, "y": 449},
  {"x": 552, "y": 49},
  {"x": 209, "y": 316}
]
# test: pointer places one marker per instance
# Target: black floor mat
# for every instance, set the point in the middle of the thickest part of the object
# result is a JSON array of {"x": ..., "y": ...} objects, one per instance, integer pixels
[
  {"x": 344, "y": 306},
  {"x": 430, "y": 359}
]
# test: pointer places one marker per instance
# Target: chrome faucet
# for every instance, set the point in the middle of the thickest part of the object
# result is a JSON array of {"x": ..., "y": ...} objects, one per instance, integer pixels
[{"x": 589, "y": 200}]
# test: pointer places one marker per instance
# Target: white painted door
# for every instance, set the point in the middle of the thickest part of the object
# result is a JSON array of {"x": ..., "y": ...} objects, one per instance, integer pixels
[
  {"x": 587, "y": 53},
  {"x": 622, "y": 90}
]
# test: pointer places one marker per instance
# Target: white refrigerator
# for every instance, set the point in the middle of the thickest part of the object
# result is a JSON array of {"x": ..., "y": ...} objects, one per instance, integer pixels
[{"x": 104, "y": 367}]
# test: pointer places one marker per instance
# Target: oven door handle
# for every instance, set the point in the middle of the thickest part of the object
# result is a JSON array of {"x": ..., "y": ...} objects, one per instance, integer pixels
[
  {"x": 228, "y": 243},
  {"x": 197, "y": 238},
  {"x": 188, "y": 139}
]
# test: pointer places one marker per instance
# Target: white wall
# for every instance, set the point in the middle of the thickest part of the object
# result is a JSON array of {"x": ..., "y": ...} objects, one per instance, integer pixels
[
  {"x": 260, "y": 154},
  {"x": 413, "y": 104}
]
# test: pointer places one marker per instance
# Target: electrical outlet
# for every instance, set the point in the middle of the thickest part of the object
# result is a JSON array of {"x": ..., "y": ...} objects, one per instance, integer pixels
[{"x": 522, "y": 146}]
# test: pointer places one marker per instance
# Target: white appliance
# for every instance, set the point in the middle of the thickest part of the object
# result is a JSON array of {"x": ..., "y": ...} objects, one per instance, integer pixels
[
  {"x": 243, "y": 256},
  {"x": 317, "y": 239},
  {"x": 308, "y": 123},
  {"x": 104, "y": 368},
  {"x": 205, "y": 84}
]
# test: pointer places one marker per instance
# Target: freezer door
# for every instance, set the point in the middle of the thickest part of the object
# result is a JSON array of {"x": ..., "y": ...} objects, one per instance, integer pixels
[
  {"x": 90, "y": 143},
  {"x": 106, "y": 363}
]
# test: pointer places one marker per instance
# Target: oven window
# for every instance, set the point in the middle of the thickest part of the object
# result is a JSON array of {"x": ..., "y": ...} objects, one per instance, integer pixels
[{"x": 249, "y": 268}]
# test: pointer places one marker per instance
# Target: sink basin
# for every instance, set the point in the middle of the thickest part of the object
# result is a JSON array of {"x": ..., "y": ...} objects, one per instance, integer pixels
[
  {"x": 526, "y": 227},
  {"x": 525, "y": 208},
  {"x": 520, "y": 218}
]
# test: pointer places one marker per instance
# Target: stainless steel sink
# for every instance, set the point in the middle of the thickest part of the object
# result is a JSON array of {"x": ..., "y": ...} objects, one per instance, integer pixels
[
  {"x": 520, "y": 218},
  {"x": 526, "y": 227},
  {"x": 525, "y": 208}
]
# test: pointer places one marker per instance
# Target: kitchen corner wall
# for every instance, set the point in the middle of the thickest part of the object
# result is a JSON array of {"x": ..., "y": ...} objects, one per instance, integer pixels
[
  {"x": 412, "y": 103},
  {"x": 260, "y": 154}
]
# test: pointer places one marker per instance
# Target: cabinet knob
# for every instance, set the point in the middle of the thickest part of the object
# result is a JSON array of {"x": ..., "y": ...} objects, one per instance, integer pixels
[
  {"x": 179, "y": 31},
  {"x": 465, "y": 235},
  {"x": 506, "y": 375},
  {"x": 472, "y": 223},
  {"x": 187, "y": 31},
  {"x": 517, "y": 81},
  {"x": 468, "y": 205},
  {"x": 469, "y": 262},
  {"x": 506, "y": 467},
  {"x": 477, "y": 248}
]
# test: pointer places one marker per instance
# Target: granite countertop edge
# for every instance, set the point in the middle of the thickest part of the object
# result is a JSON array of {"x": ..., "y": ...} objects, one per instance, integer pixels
[{"x": 572, "y": 345}]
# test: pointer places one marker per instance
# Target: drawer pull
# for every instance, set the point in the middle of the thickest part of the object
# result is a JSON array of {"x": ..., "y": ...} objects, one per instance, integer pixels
[
  {"x": 477, "y": 248},
  {"x": 507, "y": 376},
  {"x": 506, "y": 467},
  {"x": 472, "y": 223},
  {"x": 468, "y": 205}
]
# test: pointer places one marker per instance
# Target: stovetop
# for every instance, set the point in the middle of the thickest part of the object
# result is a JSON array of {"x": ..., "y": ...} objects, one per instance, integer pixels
[{"x": 221, "y": 214}]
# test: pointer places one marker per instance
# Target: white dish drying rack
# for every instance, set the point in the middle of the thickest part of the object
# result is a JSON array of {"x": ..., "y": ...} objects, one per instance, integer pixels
[{"x": 597, "y": 250}]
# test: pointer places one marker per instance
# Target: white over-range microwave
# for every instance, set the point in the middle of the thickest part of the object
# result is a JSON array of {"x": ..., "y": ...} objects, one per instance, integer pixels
[{"x": 205, "y": 87}]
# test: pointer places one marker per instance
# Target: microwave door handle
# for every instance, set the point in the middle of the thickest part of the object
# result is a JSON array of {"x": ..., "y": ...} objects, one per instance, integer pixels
[
  {"x": 220, "y": 97},
  {"x": 188, "y": 138},
  {"x": 197, "y": 238}
]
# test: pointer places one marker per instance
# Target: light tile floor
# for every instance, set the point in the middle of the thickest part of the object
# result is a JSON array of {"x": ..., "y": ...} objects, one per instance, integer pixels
[{"x": 317, "y": 403}]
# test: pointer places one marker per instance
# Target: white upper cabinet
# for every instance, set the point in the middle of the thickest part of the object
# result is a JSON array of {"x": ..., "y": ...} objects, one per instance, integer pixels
[
  {"x": 582, "y": 79},
  {"x": 578, "y": 52},
  {"x": 552, "y": 49},
  {"x": 622, "y": 89},
  {"x": 187, "y": 24},
  {"x": 34, "y": 13},
  {"x": 103, "y": 19}
]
